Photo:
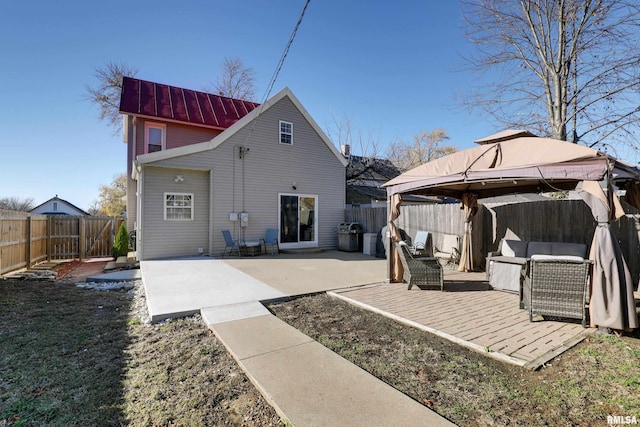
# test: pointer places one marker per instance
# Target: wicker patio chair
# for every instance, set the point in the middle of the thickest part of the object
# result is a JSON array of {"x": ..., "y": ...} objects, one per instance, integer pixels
[
  {"x": 423, "y": 272},
  {"x": 557, "y": 288}
]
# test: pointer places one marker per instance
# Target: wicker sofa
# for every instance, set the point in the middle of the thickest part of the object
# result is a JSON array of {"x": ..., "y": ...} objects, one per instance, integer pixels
[{"x": 505, "y": 268}]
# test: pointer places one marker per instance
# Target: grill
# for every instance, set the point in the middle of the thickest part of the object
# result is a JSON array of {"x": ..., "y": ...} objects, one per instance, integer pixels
[{"x": 350, "y": 237}]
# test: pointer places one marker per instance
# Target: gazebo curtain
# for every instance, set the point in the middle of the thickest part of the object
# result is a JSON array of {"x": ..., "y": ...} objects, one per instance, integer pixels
[
  {"x": 612, "y": 304},
  {"x": 395, "y": 266},
  {"x": 470, "y": 206}
]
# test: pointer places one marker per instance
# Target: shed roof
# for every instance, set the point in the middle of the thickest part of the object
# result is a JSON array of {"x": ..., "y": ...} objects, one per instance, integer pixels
[{"x": 156, "y": 100}]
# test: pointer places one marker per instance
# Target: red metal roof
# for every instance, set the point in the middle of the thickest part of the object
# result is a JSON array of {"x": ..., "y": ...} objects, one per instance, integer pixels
[{"x": 144, "y": 98}]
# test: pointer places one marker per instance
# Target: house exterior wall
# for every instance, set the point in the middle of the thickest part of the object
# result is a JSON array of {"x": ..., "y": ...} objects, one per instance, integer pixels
[
  {"x": 62, "y": 208},
  {"x": 170, "y": 238},
  {"x": 269, "y": 169},
  {"x": 177, "y": 135}
]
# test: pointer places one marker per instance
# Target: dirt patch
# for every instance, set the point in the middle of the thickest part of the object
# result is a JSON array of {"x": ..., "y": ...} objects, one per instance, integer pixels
[
  {"x": 73, "y": 356},
  {"x": 596, "y": 379}
]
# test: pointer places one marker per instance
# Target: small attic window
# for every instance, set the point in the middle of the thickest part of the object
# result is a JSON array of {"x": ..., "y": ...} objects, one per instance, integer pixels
[
  {"x": 154, "y": 137},
  {"x": 286, "y": 132}
]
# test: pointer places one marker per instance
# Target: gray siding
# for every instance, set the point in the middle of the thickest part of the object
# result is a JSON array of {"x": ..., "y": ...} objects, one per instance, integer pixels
[
  {"x": 162, "y": 239},
  {"x": 178, "y": 135},
  {"x": 253, "y": 183}
]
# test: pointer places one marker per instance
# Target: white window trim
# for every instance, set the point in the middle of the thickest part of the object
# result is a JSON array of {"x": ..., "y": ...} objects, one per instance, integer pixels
[
  {"x": 280, "y": 133},
  {"x": 149, "y": 125},
  {"x": 301, "y": 244},
  {"x": 164, "y": 206}
]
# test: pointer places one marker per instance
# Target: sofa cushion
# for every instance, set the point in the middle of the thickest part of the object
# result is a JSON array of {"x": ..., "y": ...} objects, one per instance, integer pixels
[
  {"x": 514, "y": 248},
  {"x": 540, "y": 257},
  {"x": 539, "y": 248},
  {"x": 571, "y": 249}
]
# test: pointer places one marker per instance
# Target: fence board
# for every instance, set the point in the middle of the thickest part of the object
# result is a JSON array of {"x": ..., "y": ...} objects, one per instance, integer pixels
[
  {"x": 26, "y": 239},
  {"x": 370, "y": 219},
  {"x": 553, "y": 220}
]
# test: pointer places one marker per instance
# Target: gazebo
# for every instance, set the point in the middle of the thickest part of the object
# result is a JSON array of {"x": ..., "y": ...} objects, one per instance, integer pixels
[{"x": 517, "y": 161}]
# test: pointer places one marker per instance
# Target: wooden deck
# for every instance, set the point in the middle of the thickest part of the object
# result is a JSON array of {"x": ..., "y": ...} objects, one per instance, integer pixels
[{"x": 470, "y": 314}]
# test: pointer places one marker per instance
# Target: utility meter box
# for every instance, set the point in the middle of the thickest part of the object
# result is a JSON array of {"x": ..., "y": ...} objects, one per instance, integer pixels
[{"x": 244, "y": 219}]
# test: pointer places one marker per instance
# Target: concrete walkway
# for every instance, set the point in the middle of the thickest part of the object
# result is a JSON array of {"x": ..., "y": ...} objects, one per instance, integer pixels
[{"x": 307, "y": 384}]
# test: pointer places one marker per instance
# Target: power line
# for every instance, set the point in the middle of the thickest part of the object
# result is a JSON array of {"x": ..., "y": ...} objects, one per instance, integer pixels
[
  {"x": 284, "y": 54},
  {"x": 277, "y": 70}
]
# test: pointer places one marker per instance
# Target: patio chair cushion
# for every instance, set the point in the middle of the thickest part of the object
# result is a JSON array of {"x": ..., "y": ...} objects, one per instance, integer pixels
[
  {"x": 570, "y": 249},
  {"x": 514, "y": 248},
  {"x": 557, "y": 248},
  {"x": 539, "y": 257},
  {"x": 539, "y": 248}
]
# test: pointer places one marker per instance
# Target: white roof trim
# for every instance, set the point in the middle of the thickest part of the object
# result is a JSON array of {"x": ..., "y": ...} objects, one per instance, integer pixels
[{"x": 237, "y": 126}]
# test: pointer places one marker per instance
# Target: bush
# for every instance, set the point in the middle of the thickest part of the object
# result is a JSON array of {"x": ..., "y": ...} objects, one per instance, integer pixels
[{"x": 121, "y": 243}]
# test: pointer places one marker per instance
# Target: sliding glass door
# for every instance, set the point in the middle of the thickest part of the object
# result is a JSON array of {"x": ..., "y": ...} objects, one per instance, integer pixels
[{"x": 298, "y": 221}]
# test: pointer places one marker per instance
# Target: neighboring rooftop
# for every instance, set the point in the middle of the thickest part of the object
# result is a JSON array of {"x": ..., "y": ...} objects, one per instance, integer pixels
[
  {"x": 156, "y": 100},
  {"x": 371, "y": 169},
  {"x": 71, "y": 209}
]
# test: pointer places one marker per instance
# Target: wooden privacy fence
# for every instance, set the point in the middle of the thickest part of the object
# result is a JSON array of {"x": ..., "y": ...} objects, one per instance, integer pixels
[
  {"x": 26, "y": 239},
  {"x": 370, "y": 219},
  {"x": 553, "y": 220}
]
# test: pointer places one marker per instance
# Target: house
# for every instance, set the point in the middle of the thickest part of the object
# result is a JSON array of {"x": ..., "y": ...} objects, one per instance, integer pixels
[
  {"x": 58, "y": 206},
  {"x": 258, "y": 167},
  {"x": 159, "y": 117}
]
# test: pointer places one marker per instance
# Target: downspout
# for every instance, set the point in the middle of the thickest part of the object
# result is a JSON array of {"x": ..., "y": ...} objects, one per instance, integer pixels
[
  {"x": 211, "y": 216},
  {"x": 134, "y": 141},
  {"x": 139, "y": 204}
]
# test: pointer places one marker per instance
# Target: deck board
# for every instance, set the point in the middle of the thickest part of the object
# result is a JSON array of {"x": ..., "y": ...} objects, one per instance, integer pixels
[{"x": 472, "y": 315}]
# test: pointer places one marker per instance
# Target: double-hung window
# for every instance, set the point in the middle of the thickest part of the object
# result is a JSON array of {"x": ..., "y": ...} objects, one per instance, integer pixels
[
  {"x": 154, "y": 137},
  {"x": 178, "y": 206},
  {"x": 286, "y": 132}
]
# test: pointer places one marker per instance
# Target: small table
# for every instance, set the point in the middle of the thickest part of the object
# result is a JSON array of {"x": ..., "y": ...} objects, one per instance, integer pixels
[{"x": 252, "y": 248}]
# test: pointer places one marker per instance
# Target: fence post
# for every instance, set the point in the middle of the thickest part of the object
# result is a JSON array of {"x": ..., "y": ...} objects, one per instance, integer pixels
[
  {"x": 81, "y": 238},
  {"x": 49, "y": 238},
  {"x": 28, "y": 243}
]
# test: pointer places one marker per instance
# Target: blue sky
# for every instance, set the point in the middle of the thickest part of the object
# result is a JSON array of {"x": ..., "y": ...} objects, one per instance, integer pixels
[{"x": 388, "y": 67}]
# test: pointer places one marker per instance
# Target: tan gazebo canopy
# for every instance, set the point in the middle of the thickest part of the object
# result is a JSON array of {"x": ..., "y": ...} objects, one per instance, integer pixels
[{"x": 517, "y": 162}]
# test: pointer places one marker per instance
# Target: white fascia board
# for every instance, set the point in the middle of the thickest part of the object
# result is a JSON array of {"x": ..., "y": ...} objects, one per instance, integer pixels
[{"x": 237, "y": 126}]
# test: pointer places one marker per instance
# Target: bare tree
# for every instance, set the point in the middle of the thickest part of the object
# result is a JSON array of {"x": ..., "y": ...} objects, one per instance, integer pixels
[
  {"x": 425, "y": 147},
  {"x": 565, "y": 68},
  {"x": 343, "y": 134},
  {"x": 106, "y": 93},
  {"x": 362, "y": 149},
  {"x": 236, "y": 81},
  {"x": 16, "y": 204}
]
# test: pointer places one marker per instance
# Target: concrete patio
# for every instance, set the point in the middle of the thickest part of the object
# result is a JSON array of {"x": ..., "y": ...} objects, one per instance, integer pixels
[
  {"x": 310, "y": 385},
  {"x": 467, "y": 312}
]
